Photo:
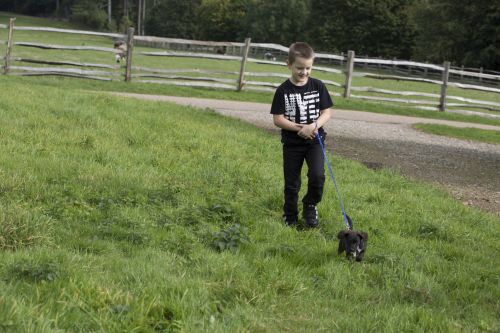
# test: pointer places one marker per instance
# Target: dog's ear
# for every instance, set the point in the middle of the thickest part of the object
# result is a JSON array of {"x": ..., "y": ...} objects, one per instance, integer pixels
[
  {"x": 342, "y": 236},
  {"x": 363, "y": 235},
  {"x": 341, "y": 246}
]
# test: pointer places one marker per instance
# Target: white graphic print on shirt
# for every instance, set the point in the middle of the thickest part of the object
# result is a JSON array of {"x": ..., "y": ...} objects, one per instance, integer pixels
[{"x": 305, "y": 108}]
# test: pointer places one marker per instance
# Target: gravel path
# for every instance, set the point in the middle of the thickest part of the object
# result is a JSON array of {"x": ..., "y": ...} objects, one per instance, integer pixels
[{"x": 469, "y": 170}]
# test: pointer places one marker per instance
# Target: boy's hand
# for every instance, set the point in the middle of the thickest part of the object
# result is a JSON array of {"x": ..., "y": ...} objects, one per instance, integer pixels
[{"x": 308, "y": 131}]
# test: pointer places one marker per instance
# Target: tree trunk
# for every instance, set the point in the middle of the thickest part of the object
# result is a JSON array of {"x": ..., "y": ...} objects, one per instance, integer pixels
[
  {"x": 143, "y": 17},
  {"x": 125, "y": 8},
  {"x": 139, "y": 16},
  {"x": 109, "y": 13}
]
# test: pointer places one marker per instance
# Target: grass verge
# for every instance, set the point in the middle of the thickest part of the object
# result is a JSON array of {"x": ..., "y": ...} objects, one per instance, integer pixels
[
  {"x": 244, "y": 96},
  {"x": 475, "y": 134}
]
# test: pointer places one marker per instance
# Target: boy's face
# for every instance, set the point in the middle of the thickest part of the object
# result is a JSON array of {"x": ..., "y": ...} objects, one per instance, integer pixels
[{"x": 301, "y": 69}]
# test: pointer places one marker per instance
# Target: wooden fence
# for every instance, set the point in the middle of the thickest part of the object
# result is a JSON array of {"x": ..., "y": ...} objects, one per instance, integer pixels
[{"x": 349, "y": 66}]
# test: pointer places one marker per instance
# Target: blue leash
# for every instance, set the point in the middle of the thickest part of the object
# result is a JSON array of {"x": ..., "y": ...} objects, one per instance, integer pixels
[{"x": 347, "y": 220}]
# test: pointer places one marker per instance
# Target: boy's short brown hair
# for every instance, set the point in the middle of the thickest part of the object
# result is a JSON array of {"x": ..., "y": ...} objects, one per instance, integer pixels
[{"x": 299, "y": 49}]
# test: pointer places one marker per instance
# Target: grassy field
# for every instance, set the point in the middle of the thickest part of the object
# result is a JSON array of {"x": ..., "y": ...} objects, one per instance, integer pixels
[
  {"x": 475, "y": 134},
  {"x": 151, "y": 217}
]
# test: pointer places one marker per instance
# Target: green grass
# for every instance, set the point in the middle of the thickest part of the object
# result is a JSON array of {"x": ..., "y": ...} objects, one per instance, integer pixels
[
  {"x": 170, "y": 63},
  {"x": 246, "y": 96},
  {"x": 475, "y": 134},
  {"x": 112, "y": 213}
]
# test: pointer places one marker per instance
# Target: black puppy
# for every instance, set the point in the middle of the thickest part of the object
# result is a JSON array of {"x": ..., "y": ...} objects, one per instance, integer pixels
[{"x": 353, "y": 243}]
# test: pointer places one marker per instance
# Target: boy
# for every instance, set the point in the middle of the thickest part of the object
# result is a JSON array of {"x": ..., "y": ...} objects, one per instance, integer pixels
[{"x": 301, "y": 106}]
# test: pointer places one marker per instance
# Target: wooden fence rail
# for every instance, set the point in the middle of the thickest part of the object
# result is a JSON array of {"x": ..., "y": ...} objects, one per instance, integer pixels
[{"x": 244, "y": 53}]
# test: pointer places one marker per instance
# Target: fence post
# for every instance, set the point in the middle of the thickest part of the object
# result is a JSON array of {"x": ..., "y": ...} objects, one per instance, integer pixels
[
  {"x": 9, "y": 46},
  {"x": 244, "y": 57},
  {"x": 130, "y": 46},
  {"x": 348, "y": 74},
  {"x": 444, "y": 86}
]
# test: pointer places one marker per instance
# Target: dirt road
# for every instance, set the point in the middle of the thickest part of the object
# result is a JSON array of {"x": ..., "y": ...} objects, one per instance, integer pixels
[{"x": 469, "y": 170}]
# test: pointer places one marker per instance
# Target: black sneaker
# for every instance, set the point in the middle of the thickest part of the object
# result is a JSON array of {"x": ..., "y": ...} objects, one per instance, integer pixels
[
  {"x": 290, "y": 220},
  {"x": 310, "y": 214}
]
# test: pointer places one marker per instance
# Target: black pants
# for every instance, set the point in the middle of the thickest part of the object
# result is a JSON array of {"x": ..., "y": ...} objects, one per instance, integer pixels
[{"x": 293, "y": 159}]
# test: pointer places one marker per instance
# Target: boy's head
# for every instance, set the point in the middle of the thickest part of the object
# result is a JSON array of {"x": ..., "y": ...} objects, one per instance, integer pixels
[
  {"x": 299, "y": 49},
  {"x": 300, "y": 61}
]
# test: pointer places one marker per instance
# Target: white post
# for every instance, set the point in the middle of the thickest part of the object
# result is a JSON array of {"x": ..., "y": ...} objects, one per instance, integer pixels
[
  {"x": 9, "y": 46},
  {"x": 348, "y": 73},
  {"x": 444, "y": 86},
  {"x": 244, "y": 56},
  {"x": 130, "y": 46}
]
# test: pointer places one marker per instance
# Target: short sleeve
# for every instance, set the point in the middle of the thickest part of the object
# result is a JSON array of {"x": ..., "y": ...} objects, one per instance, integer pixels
[
  {"x": 325, "y": 100},
  {"x": 278, "y": 106}
]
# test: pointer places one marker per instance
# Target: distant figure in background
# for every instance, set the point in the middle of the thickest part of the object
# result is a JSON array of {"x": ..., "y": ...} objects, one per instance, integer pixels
[
  {"x": 221, "y": 50},
  {"x": 121, "y": 48},
  {"x": 269, "y": 56}
]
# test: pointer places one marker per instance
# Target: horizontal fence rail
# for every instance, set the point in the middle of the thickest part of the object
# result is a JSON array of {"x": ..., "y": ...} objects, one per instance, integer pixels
[
  {"x": 70, "y": 31},
  {"x": 342, "y": 70},
  {"x": 65, "y": 63}
]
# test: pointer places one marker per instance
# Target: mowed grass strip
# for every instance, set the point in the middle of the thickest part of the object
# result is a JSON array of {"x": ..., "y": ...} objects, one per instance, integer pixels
[
  {"x": 475, "y": 134},
  {"x": 114, "y": 210}
]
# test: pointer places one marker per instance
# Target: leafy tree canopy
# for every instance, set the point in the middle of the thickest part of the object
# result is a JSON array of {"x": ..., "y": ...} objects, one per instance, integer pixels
[{"x": 466, "y": 33}]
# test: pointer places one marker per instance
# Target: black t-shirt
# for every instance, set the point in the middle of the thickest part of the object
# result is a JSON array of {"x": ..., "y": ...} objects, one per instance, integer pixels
[{"x": 302, "y": 105}]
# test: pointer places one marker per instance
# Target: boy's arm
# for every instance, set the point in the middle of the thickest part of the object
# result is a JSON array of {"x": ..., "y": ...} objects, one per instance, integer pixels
[
  {"x": 310, "y": 131},
  {"x": 280, "y": 121}
]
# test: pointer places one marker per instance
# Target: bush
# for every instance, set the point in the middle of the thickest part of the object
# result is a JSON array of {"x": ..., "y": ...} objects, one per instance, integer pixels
[
  {"x": 89, "y": 14},
  {"x": 124, "y": 24}
]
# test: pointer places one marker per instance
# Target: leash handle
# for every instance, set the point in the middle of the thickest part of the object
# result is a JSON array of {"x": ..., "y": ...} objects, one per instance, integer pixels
[{"x": 347, "y": 220}]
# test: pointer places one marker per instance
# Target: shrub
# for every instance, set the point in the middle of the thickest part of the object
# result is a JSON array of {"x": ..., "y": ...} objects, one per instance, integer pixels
[{"x": 89, "y": 14}]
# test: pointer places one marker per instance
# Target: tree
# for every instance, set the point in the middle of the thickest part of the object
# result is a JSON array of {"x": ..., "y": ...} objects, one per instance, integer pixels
[
  {"x": 220, "y": 19},
  {"x": 375, "y": 28},
  {"x": 109, "y": 12},
  {"x": 89, "y": 13},
  {"x": 468, "y": 34},
  {"x": 139, "y": 17},
  {"x": 172, "y": 18},
  {"x": 279, "y": 21}
]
